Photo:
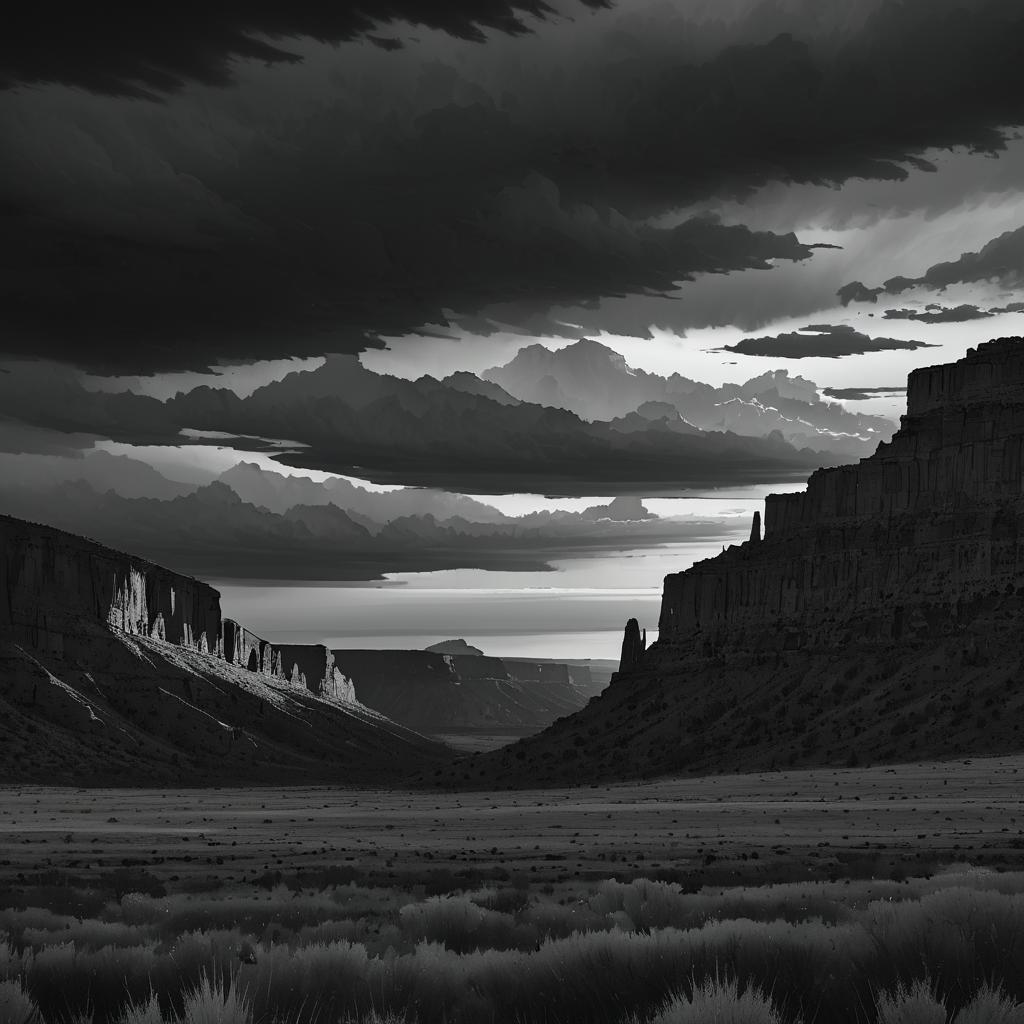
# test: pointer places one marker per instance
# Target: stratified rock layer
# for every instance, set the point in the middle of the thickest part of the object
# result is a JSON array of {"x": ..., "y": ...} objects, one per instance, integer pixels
[
  {"x": 910, "y": 539},
  {"x": 52, "y": 582},
  {"x": 879, "y": 618},
  {"x": 117, "y": 670}
]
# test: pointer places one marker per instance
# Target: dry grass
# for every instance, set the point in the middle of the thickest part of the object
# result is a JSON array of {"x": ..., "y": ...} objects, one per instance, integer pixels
[
  {"x": 640, "y": 951},
  {"x": 715, "y": 1001}
]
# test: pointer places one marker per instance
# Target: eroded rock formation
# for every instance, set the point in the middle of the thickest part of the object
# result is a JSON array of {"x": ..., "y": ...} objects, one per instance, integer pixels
[
  {"x": 633, "y": 646},
  {"x": 912, "y": 538},
  {"x": 56, "y": 589},
  {"x": 51, "y": 581},
  {"x": 878, "y": 620},
  {"x": 308, "y": 665}
]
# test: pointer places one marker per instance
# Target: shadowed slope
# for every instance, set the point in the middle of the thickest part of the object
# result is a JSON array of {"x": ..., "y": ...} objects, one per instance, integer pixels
[{"x": 139, "y": 710}]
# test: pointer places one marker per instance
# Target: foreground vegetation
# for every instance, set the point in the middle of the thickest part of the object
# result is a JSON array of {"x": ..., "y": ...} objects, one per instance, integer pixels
[{"x": 947, "y": 948}]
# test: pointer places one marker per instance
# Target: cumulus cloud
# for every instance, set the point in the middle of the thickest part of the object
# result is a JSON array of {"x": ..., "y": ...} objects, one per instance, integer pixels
[
  {"x": 425, "y": 433},
  {"x": 344, "y": 419},
  {"x": 46, "y": 399},
  {"x": 828, "y": 341}
]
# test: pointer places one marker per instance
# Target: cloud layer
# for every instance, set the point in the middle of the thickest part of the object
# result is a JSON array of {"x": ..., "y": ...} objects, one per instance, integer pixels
[
  {"x": 820, "y": 341},
  {"x": 1000, "y": 260},
  {"x": 342, "y": 418},
  {"x": 213, "y": 532},
  {"x": 317, "y": 206},
  {"x": 146, "y": 52}
]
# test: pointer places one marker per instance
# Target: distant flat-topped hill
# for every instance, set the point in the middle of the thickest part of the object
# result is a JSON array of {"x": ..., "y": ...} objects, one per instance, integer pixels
[
  {"x": 455, "y": 647},
  {"x": 878, "y": 619},
  {"x": 452, "y": 689}
]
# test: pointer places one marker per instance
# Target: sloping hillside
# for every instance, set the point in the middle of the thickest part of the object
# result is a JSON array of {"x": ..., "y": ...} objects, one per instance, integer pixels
[
  {"x": 879, "y": 618},
  {"x": 116, "y": 670}
]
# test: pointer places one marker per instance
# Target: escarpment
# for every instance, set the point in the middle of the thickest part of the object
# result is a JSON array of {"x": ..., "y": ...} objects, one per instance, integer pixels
[
  {"x": 56, "y": 589},
  {"x": 877, "y": 617},
  {"x": 51, "y": 582},
  {"x": 914, "y": 538},
  {"x": 115, "y": 670}
]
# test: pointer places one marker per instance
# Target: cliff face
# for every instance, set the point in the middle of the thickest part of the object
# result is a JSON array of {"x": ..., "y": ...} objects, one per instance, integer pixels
[
  {"x": 878, "y": 619},
  {"x": 911, "y": 539},
  {"x": 57, "y": 590},
  {"x": 114, "y": 669},
  {"x": 51, "y": 581}
]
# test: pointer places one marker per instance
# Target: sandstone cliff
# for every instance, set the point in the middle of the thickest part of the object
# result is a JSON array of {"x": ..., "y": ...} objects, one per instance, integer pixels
[
  {"x": 51, "y": 582},
  {"x": 909, "y": 539},
  {"x": 878, "y": 618},
  {"x": 113, "y": 668},
  {"x": 55, "y": 586}
]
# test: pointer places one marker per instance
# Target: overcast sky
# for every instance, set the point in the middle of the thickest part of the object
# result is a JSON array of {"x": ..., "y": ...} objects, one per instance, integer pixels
[{"x": 714, "y": 188}]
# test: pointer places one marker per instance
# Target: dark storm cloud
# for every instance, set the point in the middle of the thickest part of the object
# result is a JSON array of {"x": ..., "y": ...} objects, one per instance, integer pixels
[
  {"x": 47, "y": 400},
  {"x": 524, "y": 249},
  {"x": 940, "y": 315},
  {"x": 397, "y": 191},
  {"x": 862, "y": 394},
  {"x": 149, "y": 50},
  {"x": 425, "y": 433},
  {"x": 828, "y": 341},
  {"x": 855, "y": 291},
  {"x": 1000, "y": 260},
  {"x": 345, "y": 419}
]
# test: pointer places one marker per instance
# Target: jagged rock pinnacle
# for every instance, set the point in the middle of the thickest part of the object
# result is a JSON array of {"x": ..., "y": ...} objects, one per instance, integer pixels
[
  {"x": 633, "y": 646},
  {"x": 755, "y": 529}
]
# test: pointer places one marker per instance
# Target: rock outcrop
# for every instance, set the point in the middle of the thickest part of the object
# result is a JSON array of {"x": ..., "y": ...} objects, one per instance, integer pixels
[
  {"x": 244, "y": 648},
  {"x": 114, "y": 669},
  {"x": 308, "y": 665},
  {"x": 910, "y": 539},
  {"x": 878, "y": 619},
  {"x": 51, "y": 582},
  {"x": 454, "y": 647},
  {"x": 633, "y": 646},
  {"x": 54, "y": 585}
]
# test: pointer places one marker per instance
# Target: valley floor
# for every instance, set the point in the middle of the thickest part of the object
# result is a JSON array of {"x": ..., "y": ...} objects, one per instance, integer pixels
[
  {"x": 724, "y": 829},
  {"x": 858, "y": 896}
]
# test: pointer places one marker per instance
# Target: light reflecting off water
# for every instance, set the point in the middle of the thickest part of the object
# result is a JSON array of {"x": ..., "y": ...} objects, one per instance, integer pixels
[{"x": 577, "y": 610}]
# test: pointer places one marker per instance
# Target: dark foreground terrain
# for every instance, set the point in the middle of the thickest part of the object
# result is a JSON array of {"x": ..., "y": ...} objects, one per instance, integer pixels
[
  {"x": 826, "y": 895},
  {"x": 855, "y": 703}
]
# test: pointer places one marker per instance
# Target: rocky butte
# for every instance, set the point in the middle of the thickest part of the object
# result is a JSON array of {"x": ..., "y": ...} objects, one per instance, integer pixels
[{"x": 879, "y": 618}]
